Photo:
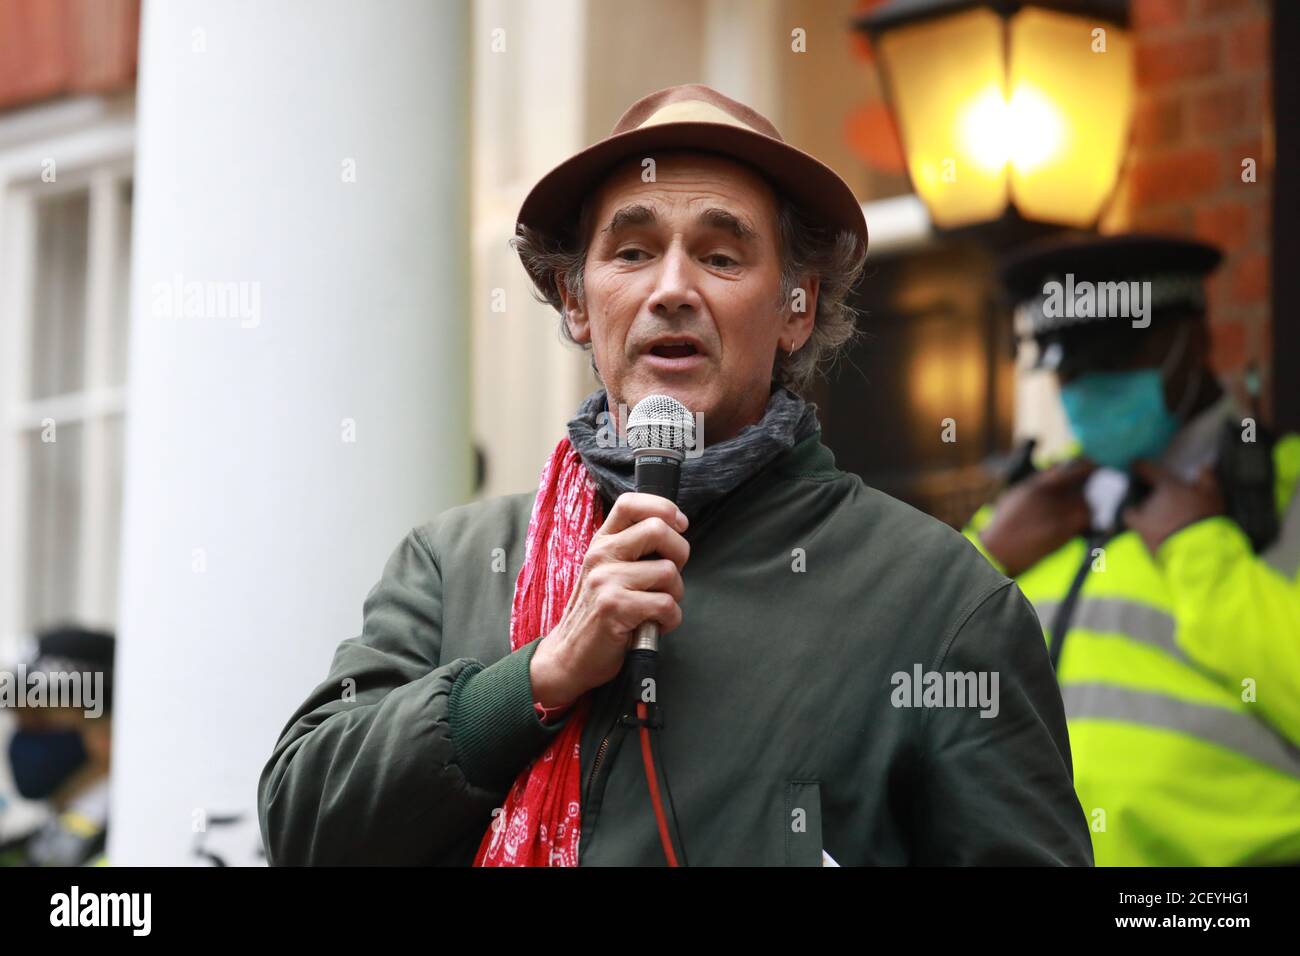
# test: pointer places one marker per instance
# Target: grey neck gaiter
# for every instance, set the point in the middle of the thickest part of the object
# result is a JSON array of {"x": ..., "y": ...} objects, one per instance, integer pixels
[{"x": 720, "y": 469}]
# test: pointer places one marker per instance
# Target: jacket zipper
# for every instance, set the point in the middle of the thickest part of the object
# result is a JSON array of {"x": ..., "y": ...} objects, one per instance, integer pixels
[
  {"x": 595, "y": 764},
  {"x": 602, "y": 749}
]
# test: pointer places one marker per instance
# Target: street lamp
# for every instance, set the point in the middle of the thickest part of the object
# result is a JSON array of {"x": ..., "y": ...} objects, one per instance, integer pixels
[{"x": 1008, "y": 109}]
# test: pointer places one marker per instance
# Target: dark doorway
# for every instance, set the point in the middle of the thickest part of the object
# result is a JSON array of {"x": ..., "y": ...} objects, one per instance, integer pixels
[{"x": 935, "y": 363}]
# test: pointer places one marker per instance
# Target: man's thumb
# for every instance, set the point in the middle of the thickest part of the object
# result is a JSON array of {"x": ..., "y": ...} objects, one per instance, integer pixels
[{"x": 1071, "y": 472}]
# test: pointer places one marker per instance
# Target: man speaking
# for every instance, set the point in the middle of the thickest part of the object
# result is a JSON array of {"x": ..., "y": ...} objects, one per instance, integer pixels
[{"x": 839, "y": 677}]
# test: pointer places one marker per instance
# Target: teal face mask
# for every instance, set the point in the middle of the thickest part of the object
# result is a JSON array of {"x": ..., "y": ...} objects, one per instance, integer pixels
[{"x": 1119, "y": 417}]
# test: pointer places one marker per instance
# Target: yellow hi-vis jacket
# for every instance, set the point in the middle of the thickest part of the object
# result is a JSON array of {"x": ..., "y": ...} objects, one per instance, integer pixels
[{"x": 1180, "y": 675}]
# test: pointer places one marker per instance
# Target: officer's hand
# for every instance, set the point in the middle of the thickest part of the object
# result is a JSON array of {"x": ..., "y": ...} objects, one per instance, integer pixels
[
  {"x": 615, "y": 593},
  {"x": 1173, "y": 504},
  {"x": 1036, "y": 516}
]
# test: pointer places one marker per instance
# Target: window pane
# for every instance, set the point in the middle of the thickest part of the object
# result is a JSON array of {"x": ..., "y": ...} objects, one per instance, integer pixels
[
  {"x": 116, "y": 367},
  {"x": 115, "y": 430},
  {"x": 53, "y": 525},
  {"x": 59, "y": 296}
]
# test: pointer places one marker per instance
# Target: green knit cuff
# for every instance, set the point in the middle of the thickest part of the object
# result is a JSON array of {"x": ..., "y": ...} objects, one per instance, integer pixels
[{"x": 494, "y": 727}]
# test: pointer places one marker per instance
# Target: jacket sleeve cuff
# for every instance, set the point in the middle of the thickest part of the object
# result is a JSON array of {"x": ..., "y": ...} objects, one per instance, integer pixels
[
  {"x": 1194, "y": 558},
  {"x": 494, "y": 727}
]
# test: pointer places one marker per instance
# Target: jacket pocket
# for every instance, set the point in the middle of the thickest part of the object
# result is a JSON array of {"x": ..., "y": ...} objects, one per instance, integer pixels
[{"x": 803, "y": 823}]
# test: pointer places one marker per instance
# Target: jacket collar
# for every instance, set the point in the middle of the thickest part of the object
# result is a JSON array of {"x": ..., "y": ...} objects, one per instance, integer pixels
[
  {"x": 789, "y": 421},
  {"x": 808, "y": 459}
]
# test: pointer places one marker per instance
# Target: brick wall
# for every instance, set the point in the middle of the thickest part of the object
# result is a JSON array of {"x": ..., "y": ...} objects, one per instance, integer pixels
[
  {"x": 53, "y": 48},
  {"x": 1203, "y": 106}
]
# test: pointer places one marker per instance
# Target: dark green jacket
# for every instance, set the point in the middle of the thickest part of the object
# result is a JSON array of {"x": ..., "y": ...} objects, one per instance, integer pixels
[{"x": 806, "y": 592}]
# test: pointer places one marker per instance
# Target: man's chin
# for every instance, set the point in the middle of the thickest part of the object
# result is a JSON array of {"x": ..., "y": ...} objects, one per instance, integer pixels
[
  {"x": 692, "y": 394},
  {"x": 697, "y": 396}
]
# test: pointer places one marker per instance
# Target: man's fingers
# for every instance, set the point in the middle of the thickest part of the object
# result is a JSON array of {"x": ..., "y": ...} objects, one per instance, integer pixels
[
  {"x": 659, "y": 575},
  {"x": 632, "y": 507},
  {"x": 651, "y": 536},
  {"x": 1069, "y": 473},
  {"x": 1152, "y": 473},
  {"x": 654, "y": 606},
  {"x": 1080, "y": 516},
  {"x": 1206, "y": 479}
]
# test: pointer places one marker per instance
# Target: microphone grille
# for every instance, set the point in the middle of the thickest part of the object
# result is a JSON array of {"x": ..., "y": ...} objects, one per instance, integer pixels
[{"x": 660, "y": 421}]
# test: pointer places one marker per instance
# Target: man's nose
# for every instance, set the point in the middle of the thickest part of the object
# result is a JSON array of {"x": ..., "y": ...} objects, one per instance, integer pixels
[{"x": 675, "y": 286}]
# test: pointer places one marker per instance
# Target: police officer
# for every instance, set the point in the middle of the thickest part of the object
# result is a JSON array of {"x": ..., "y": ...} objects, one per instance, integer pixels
[
  {"x": 60, "y": 755},
  {"x": 1163, "y": 560}
]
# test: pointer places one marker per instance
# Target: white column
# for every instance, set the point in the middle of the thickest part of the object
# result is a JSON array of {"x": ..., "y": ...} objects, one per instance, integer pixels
[{"x": 299, "y": 280}]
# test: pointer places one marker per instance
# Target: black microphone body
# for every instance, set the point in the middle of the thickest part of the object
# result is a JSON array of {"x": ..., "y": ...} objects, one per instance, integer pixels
[
  {"x": 660, "y": 429},
  {"x": 658, "y": 474}
]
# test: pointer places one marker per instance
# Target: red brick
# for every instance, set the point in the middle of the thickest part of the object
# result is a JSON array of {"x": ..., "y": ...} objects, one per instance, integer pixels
[
  {"x": 1226, "y": 8},
  {"x": 1224, "y": 224},
  {"x": 1226, "y": 108},
  {"x": 48, "y": 48},
  {"x": 1259, "y": 216},
  {"x": 1250, "y": 148},
  {"x": 1250, "y": 278},
  {"x": 1158, "y": 13},
  {"x": 1264, "y": 347},
  {"x": 1181, "y": 175},
  {"x": 1216, "y": 295},
  {"x": 1158, "y": 122},
  {"x": 1248, "y": 45},
  {"x": 1169, "y": 221},
  {"x": 1227, "y": 346},
  {"x": 1165, "y": 62}
]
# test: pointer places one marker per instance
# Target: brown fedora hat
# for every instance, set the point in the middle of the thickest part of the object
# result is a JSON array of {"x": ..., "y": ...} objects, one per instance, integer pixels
[{"x": 694, "y": 116}]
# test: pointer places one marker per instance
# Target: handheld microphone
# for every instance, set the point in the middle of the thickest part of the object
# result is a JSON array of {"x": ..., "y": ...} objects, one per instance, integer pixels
[{"x": 659, "y": 430}]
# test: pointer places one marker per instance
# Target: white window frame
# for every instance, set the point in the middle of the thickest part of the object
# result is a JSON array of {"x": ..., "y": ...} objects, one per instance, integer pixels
[{"x": 92, "y": 140}]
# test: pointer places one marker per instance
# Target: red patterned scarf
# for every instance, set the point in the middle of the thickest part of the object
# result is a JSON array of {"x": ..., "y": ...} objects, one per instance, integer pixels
[{"x": 541, "y": 821}]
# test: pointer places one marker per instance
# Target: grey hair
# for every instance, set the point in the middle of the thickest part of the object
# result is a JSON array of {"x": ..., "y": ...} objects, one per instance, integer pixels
[{"x": 807, "y": 248}]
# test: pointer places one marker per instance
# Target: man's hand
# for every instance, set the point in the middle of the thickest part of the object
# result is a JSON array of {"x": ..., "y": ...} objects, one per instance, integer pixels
[
  {"x": 616, "y": 592},
  {"x": 1035, "y": 517},
  {"x": 1173, "y": 504}
]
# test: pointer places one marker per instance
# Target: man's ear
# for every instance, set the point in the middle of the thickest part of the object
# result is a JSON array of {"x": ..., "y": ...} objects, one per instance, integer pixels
[
  {"x": 801, "y": 311},
  {"x": 575, "y": 313}
]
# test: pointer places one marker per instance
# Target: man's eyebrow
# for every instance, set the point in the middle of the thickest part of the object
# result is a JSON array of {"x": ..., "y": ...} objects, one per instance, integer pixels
[
  {"x": 727, "y": 221},
  {"x": 713, "y": 218},
  {"x": 636, "y": 215}
]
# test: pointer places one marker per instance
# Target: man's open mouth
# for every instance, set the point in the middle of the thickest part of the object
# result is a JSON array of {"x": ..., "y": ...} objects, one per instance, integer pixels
[{"x": 680, "y": 350}]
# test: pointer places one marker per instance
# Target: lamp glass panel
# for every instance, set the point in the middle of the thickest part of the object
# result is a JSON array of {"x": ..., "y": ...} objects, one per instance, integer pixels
[
  {"x": 947, "y": 82},
  {"x": 1069, "y": 105}
]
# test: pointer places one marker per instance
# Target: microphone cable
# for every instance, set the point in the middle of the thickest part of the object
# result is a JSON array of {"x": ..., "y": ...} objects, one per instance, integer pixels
[{"x": 644, "y": 665}]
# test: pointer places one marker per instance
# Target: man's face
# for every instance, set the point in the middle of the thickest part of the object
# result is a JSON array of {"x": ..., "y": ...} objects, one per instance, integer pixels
[
  {"x": 682, "y": 289},
  {"x": 1131, "y": 349}
]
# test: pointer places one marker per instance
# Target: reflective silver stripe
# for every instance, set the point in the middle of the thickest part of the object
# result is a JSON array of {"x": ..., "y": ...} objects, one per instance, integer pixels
[
  {"x": 1283, "y": 555},
  {"x": 1233, "y": 731},
  {"x": 1132, "y": 619}
]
